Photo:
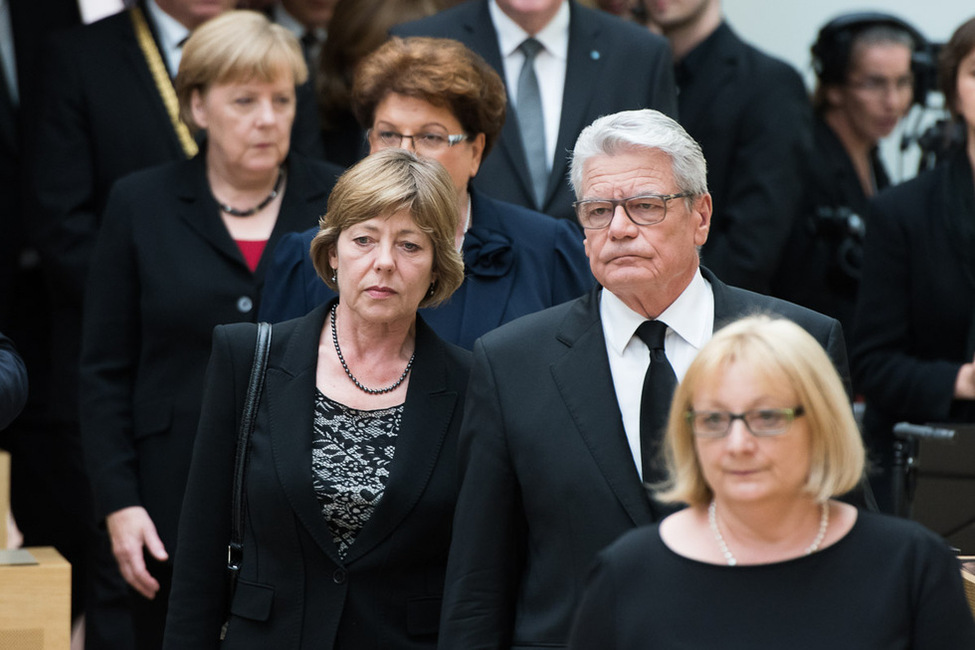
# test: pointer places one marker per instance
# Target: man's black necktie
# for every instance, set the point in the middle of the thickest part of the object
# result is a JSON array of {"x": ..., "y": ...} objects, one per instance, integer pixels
[{"x": 658, "y": 390}]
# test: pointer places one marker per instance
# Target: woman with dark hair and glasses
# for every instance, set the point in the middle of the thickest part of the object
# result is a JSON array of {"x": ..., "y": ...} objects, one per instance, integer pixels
[
  {"x": 760, "y": 441},
  {"x": 438, "y": 98}
]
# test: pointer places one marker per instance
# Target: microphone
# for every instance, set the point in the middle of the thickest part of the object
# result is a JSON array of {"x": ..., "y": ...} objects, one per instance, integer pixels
[{"x": 905, "y": 430}]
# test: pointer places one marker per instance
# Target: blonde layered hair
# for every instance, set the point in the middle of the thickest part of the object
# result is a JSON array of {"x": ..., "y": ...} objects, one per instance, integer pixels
[
  {"x": 781, "y": 352},
  {"x": 382, "y": 184},
  {"x": 235, "y": 46}
]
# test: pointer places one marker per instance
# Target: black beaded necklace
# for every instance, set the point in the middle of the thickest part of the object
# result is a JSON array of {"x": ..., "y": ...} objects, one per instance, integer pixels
[
  {"x": 365, "y": 389},
  {"x": 234, "y": 212}
]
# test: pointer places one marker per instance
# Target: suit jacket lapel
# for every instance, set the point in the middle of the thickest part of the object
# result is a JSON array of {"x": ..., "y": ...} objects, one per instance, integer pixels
[
  {"x": 728, "y": 305},
  {"x": 696, "y": 101},
  {"x": 426, "y": 419},
  {"x": 199, "y": 210},
  {"x": 290, "y": 396},
  {"x": 584, "y": 380},
  {"x": 583, "y": 68},
  {"x": 483, "y": 39}
]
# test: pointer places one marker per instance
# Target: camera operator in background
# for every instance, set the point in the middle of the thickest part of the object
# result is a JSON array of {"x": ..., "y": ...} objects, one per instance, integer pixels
[{"x": 866, "y": 67}]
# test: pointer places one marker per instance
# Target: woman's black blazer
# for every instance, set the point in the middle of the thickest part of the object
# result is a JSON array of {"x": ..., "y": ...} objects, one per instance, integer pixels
[
  {"x": 294, "y": 591},
  {"x": 165, "y": 271}
]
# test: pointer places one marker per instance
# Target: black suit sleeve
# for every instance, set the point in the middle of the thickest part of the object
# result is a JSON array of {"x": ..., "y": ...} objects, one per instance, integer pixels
[
  {"x": 480, "y": 592},
  {"x": 899, "y": 366},
  {"x": 199, "y": 598},
  {"x": 109, "y": 360},
  {"x": 13, "y": 382},
  {"x": 762, "y": 185}
]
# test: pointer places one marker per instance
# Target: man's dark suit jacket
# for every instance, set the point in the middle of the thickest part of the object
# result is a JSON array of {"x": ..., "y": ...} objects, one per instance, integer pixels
[
  {"x": 13, "y": 382},
  {"x": 294, "y": 590},
  {"x": 752, "y": 117},
  {"x": 164, "y": 274},
  {"x": 612, "y": 66},
  {"x": 100, "y": 118},
  {"x": 517, "y": 262},
  {"x": 548, "y": 479}
]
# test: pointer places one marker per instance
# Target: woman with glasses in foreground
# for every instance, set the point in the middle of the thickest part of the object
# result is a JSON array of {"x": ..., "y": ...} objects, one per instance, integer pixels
[{"x": 760, "y": 440}]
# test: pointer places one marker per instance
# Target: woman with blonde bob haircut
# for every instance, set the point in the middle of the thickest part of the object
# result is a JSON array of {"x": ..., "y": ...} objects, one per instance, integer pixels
[
  {"x": 761, "y": 437},
  {"x": 781, "y": 351},
  {"x": 352, "y": 470},
  {"x": 383, "y": 185}
]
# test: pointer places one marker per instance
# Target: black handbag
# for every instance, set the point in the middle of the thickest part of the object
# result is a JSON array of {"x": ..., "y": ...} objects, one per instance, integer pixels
[{"x": 255, "y": 386}]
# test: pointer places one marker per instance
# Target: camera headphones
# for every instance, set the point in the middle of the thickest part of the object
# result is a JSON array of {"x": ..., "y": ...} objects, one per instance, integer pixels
[{"x": 832, "y": 49}]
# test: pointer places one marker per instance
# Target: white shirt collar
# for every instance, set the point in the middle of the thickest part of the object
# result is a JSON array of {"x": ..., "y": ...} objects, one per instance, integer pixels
[
  {"x": 554, "y": 36},
  {"x": 170, "y": 32},
  {"x": 281, "y": 16},
  {"x": 690, "y": 316}
]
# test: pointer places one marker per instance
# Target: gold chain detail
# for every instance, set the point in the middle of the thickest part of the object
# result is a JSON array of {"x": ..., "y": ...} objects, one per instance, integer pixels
[{"x": 163, "y": 83}]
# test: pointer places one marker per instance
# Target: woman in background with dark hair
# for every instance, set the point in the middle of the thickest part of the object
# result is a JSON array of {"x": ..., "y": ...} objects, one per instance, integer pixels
[
  {"x": 864, "y": 87},
  {"x": 913, "y": 343}
]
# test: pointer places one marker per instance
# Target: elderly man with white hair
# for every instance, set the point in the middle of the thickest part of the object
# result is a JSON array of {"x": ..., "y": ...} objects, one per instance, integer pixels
[{"x": 565, "y": 406}]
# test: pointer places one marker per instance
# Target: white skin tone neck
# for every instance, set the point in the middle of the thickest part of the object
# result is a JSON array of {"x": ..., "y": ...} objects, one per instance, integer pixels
[
  {"x": 383, "y": 269},
  {"x": 248, "y": 127},
  {"x": 531, "y": 15},
  {"x": 860, "y": 118},
  {"x": 685, "y": 23},
  {"x": 647, "y": 267}
]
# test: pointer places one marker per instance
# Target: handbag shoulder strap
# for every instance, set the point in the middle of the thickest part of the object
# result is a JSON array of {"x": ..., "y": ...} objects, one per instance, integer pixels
[{"x": 255, "y": 387}]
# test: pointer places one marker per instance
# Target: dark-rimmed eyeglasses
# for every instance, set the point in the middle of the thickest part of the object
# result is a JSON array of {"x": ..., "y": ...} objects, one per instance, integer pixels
[
  {"x": 643, "y": 210},
  {"x": 762, "y": 423},
  {"x": 422, "y": 142}
]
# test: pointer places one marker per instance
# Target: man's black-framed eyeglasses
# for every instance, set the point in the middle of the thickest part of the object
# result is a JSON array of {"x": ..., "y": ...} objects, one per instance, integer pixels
[{"x": 643, "y": 210}]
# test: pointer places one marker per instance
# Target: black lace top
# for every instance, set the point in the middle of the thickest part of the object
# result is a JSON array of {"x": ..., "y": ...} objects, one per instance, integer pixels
[{"x": 351, "y": 452}]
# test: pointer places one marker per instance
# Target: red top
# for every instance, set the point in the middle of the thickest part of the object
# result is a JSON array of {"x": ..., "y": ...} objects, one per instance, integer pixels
[{"x": 252, "y": 251}]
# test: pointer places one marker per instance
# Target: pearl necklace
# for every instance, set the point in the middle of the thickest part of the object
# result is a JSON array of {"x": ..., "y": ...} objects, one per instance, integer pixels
[
  {"x": 366, "y": 389},
  {"x": 229, "y": 209},
  {"x": 729, "y": 556}
]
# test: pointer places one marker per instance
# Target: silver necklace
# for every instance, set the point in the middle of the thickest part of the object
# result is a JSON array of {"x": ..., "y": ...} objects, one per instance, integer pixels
[
  {"x": 366, "y": 389},
  {"x": 730, "y": 557}
]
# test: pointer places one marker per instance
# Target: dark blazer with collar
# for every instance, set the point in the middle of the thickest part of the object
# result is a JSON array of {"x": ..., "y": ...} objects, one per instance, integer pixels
[
  {"x": 164, "y": 273},
  {"x": 517, "y": 262},
  {"x": 752, "y": 117},
  {"x": 547, "y": 476},
  {"x": 612, "y": 66},
  {"x": 915, "y": 317},
  {"x": 294, "y": 590},
  {"x": 100, "y": 118},
  {"x": 13, "y": 382}
]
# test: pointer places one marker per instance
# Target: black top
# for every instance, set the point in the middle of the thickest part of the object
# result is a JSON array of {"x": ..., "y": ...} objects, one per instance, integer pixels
[
  {"x": 351, "y": 450},
  {"x": 915, "y": 323},
  {"x": 823, "y": 266},
  {"x": 890, "y": 584}
]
